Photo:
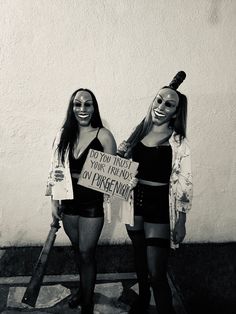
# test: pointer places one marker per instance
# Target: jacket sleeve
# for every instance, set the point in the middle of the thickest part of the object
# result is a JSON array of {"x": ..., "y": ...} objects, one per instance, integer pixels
[
  {"x": 49, "y": 184},
  {"x": 184, "y": 186},
  {"x": 54, "y": 159}
]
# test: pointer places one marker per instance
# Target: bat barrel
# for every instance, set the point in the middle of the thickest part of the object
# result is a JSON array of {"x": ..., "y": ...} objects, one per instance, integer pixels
[{"x": 33, "y": 288}]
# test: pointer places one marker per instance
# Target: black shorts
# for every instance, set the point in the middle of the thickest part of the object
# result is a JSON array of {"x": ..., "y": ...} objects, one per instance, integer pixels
[
  {"x": 86, "y": 202},
  {"x": 152, "y": 203}
]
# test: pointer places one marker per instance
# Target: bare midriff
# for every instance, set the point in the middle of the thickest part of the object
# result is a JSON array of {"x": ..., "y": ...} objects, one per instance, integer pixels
[{"x": 151, "y": 183}]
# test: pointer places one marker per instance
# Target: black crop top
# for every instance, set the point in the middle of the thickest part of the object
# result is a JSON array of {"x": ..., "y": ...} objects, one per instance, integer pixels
[
  {"x": 155, "y": 163},
  {"x": 76, "y": 164}
]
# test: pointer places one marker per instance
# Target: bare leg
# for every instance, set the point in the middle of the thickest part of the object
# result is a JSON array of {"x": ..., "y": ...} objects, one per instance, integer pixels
[
  {"x": 84, "y": 234},
  {"x": 89, "y": 233},
  {"x": 70, "y": 224}
]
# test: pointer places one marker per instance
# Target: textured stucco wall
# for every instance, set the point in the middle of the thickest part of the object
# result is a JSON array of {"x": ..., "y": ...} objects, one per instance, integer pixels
[{"x": 124, "y": 51}]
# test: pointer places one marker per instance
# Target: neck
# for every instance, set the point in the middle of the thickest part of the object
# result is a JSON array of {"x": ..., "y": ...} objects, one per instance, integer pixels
[
  {"x": 164, "y": 128},
  {"x": 84, "y": 129}
]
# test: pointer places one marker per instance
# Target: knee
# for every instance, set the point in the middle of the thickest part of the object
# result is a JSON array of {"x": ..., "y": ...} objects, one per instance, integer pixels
[
  {"x": 158, "y": 279},
  {"x": 86, "y": 255}
]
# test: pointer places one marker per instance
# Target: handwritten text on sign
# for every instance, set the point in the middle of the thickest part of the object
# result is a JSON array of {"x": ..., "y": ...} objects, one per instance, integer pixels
[{"x": 108, "y": 173}]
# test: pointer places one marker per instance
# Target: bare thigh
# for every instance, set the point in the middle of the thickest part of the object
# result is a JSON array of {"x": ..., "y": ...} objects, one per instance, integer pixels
[
  {"x": 71, "y": 227},
  {"x": 89, "y": 232},
  {"x": 155, "y": 230}
]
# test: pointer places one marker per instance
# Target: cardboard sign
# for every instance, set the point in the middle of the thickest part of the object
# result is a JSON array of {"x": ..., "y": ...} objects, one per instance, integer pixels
[{"x": 108, "y": 173}]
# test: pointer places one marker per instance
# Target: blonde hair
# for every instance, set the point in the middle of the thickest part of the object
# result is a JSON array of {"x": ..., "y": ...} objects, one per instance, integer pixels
[{"x": 141, "y": 130}]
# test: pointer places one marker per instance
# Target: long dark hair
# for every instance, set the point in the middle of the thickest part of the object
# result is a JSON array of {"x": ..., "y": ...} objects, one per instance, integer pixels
[
  {"x": 70, "y": 128},
  {"x": 177, "y": 123}
]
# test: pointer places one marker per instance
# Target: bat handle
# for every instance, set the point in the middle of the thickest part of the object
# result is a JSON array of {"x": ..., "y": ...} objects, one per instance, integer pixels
[
  {"x": 55, "y": 223},
  {"x": 120, "y": 153},
  {"x": 123, "y": 148}
]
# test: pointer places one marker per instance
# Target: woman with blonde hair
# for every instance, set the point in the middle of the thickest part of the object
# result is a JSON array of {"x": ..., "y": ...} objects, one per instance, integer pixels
[{"x": 155, "y": 218}]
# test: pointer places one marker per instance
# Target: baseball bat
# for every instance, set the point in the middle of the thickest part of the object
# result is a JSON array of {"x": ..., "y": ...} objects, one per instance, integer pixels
[{"x": 33, "y": 288}]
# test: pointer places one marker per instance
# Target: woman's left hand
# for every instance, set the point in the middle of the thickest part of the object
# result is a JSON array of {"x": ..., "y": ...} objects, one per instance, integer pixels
[
  {"x": 179, "y": 229},
  {"x": 106, "y": 198}
]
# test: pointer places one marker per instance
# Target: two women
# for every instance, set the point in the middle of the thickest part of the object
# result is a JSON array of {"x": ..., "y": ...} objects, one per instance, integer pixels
[
  {"x": 159, "y": 203},
  {"x": 80, "y": 208},
  {"x": 163, "y": 194}
]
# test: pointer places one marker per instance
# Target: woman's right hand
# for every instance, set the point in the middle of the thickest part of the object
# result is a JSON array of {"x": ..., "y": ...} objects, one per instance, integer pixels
[
  {"x": 123, "y": 149},
  {"x": 55, "y": 210},
  {"x": 58, "y": 175}
]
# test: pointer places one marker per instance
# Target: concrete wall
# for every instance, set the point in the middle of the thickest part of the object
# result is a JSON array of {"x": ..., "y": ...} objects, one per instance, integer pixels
[{"x": 124, "y": 51}]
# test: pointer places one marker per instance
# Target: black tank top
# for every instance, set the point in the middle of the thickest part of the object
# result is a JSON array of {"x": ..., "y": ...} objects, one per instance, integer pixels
[
  {"x": 76, "y": 164},
  {"x": 155, "y": 163}
]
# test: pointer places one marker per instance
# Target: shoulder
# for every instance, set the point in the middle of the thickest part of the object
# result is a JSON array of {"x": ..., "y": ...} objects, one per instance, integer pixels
[
  {"x": 185, "y": 145},
  {"x": 107, "y": 140},
  {"x": 59, "y": 133},
  {"x": 180, "y": 146},
  {"x": 176, "y": 140},
  {"x": 104, "y": 134},
  {"x": 57, "y": 138}
]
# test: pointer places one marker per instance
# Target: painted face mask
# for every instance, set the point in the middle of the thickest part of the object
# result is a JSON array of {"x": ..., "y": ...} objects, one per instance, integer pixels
[
  {"x": 164, "y": 106},
  {"x": 83, "y": 108}
]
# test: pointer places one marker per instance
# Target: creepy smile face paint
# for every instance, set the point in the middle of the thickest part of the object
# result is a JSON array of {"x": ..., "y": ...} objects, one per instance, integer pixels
[
  {"x": 83, "y": 108},
  {"x": 164, "y": 106}
]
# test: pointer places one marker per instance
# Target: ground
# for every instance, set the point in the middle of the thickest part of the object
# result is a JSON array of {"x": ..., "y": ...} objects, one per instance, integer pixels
[{"x": 202, "y": 278}]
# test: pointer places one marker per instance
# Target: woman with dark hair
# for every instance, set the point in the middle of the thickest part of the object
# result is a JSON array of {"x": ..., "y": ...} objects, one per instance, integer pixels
[
  {"x": 155, "y": 214},
  {"x": 81, "y": 209}
]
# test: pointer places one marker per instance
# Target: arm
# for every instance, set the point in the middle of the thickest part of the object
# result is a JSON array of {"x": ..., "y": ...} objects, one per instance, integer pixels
[
  {"x": 109, "y": 146},
  {"x": 50, "y": 181},
  {"x": 184, "y": 186},
  {"x": 184, "y": 193},
  {"x": 107, "y": 140},
  {"x": 55, "y": 174},
  {"x": 55, "y": 209},
  {"x": 180, "y": 229}
]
